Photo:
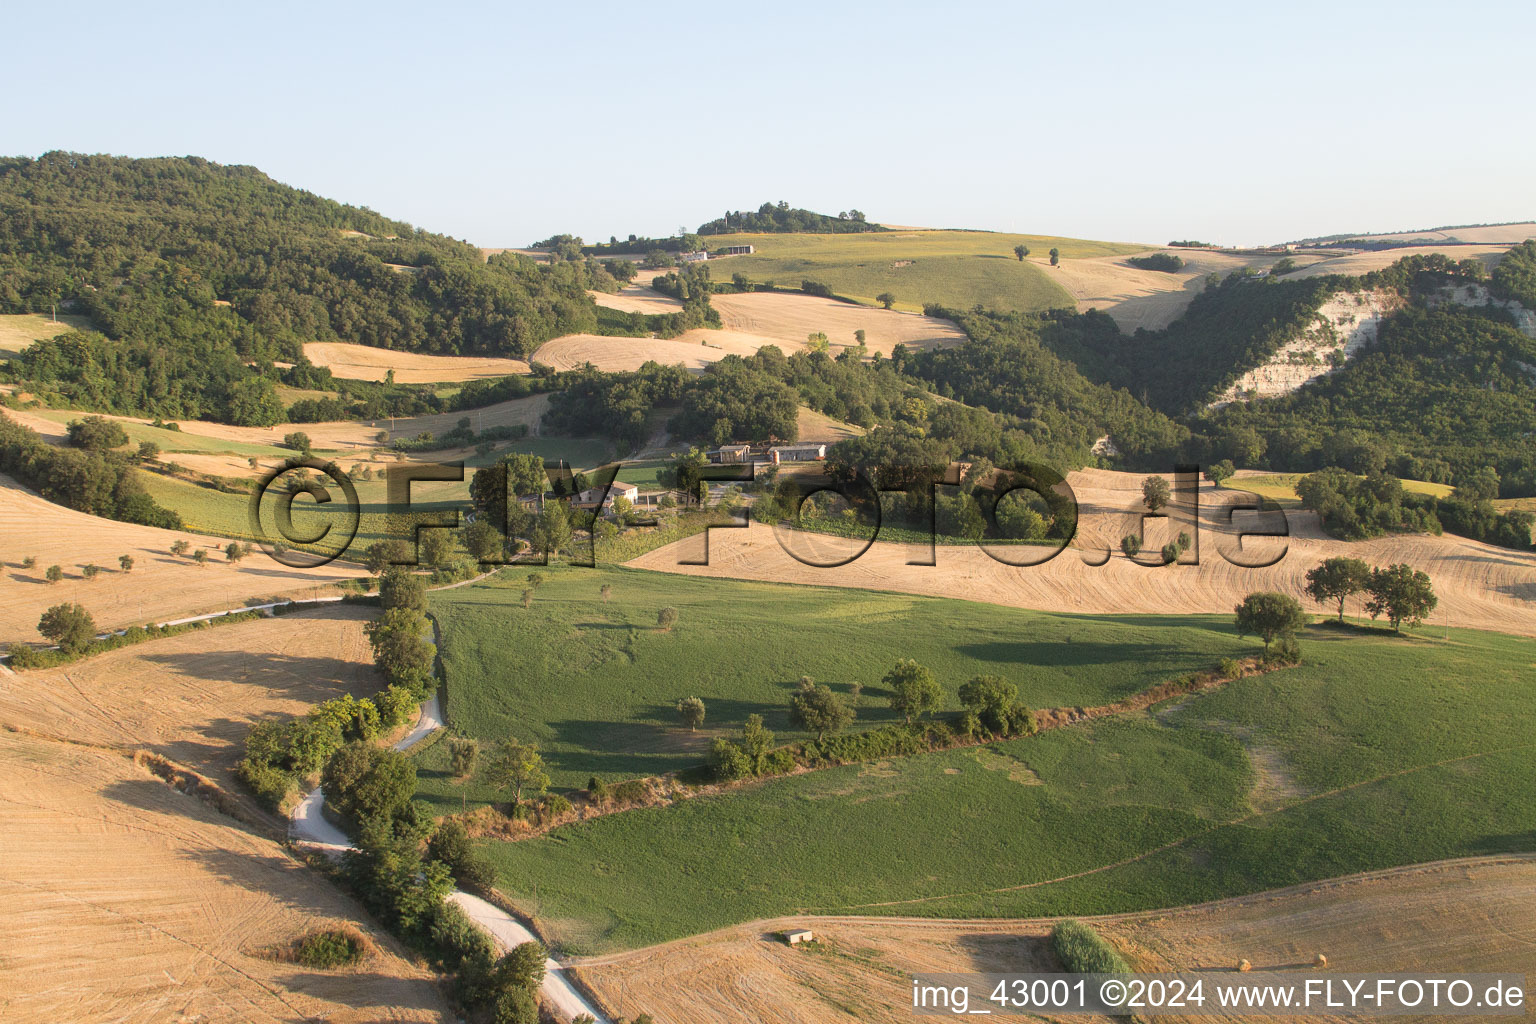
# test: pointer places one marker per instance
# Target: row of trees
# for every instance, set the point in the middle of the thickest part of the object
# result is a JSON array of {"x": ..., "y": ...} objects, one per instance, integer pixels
[
  {"x": 990, "y": 708},
  {"x": 1355, "y": 507},
  {"x": 1399, "y": 592}
]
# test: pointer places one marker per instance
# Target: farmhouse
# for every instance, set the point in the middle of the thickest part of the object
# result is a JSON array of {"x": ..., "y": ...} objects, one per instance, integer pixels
[
  {"x": 808, "y": 451},
  {"x": 729, "y": 453},
  {"x": 591, "y": 495}
]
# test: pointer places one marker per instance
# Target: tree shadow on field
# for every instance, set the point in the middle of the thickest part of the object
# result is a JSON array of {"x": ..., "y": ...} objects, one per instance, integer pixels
[
  {"x": 1050, "y": 654},
  {"x": 357, "y": 989},
  {"x": 301, "y": 676},
  {"x": 20, "y": 578},
  {"x": 992, "y": 953},
  {"x": 1512, "y": 842}
]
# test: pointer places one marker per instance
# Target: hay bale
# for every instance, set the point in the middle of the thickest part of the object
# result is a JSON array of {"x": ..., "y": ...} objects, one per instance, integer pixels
[
  {"x": 1244, "y": 965},
  {"x": 1320, "y": 960}
]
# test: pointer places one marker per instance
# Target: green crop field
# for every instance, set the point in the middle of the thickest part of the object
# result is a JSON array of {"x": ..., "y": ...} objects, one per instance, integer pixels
[
  {"x": 596, "y": 686},
  {"x": 1281, "y": 487},
  {"x": 208, "y": 510},
  {"x": 956, "y": 269},
  {"x": 1379, "y": 751}
]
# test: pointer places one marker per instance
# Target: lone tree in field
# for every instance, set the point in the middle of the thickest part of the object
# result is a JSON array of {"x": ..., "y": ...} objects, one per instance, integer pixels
[
  {"x": 1268, "y": 615},
  {"x": 298, "y": 441},
  {"x": 666, "y": 618},
  {"x": 1401, "y": 593},
  {"x": 149, "y": 451},
  {"x": 53, "y": 574},
  {"x": 233, "y": 552},
  {"x": 1220, "y": 472},
  {"x": 1055, "y": 257},
  {"x": 179, "y": 547},
  {"x": 691, "y": 711},
  {"x": 200, "y": 556},
  {"x": 516, "y": 767},
  {"x": 1021, "y": 251},
  {"x": 820, "y": 711},
  {"x": 1336, "y": 579},
  {"x": 886, "y": 299},
  {"x": 1155, "y": 493},
  {"x": 68, "y": 625},
  {"x": 605, "y": 591},
  {"x": 90, "y": 571},
  {"x": 126, "y": 561},
  {"x": 914, "y": 691}
]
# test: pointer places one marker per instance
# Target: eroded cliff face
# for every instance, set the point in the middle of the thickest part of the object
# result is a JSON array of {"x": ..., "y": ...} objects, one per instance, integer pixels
[{"x": 1342, "y": 326}]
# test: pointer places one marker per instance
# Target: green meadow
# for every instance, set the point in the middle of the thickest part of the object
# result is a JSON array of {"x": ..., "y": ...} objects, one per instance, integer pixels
[
  {"x": 956, "y": 269},
  {"x": 596, "y": 685},
  {"x": 206, "y": 509},
  {"x": 1378, "y": 751}
]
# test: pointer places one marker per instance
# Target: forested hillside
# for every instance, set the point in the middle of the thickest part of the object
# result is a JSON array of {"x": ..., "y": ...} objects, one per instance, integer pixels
[
  {"x": 1440, "y": 396},
  {"x": 194, "y": 270}
]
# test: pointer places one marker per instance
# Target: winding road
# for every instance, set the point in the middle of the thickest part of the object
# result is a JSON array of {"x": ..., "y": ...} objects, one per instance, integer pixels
[{"x": 309, "y": 827}]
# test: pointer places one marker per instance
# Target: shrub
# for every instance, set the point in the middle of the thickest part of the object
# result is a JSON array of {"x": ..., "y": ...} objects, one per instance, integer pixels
[
  {"x": 328, "y": 949},
  {"x": 1285, "y": 653},
  {"x": 597, "y": 792},
  {"x": 462, "y": 755},
  {"x": 630, "y": 791},
  {"x": 396, "y": 704},
  {"x": 451, "y": 844},
  {"x": 458, "y": 941},
  {"x": 1084, "y": 951},
  {"x": 270, "y": 785},
  {"x": 1231, "y": 668},
  {"x": 555, "y": 805}
]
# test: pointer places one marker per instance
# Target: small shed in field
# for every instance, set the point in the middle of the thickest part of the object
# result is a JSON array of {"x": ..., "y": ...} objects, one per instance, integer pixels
[{"x": 798, "y": 935}]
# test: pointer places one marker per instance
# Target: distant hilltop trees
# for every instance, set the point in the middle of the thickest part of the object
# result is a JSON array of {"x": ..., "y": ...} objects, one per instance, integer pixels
[{"x": 780, "y": 218}]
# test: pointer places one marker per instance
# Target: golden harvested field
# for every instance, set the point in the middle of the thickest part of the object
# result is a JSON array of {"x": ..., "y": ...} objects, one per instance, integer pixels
[
  {"x": 1479, "y": 586},
  {"x": 792, "y": 318},
  {"x": 752, "y": 320},
  {"x": 191, "y": 698},
  {"x": 636, "y": 298},
  {"x": 1464, "y": 916},
  {"x": 159, "y": 588},
  {"x": 18, "y": 330},
  {"x": 1149, "y": 299},
  {"x": 693, "y": 350},
  {"x": 815, "y": 426},
  {"x": 129, "y": 901},
  {"x": 364, "y": 362},
  {"x": 1495, "y": 233},
  {"x": 346, "y": 436},
  {"x": 1365, "y": 262}
]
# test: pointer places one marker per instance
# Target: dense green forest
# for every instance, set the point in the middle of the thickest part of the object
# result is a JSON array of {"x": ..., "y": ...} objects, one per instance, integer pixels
[
  {"x": 203, "y": 275},
  {"x": 781, "y": 218},
  {"x": 85, "y": 477},
  {"x": 1515, "y": 276}
]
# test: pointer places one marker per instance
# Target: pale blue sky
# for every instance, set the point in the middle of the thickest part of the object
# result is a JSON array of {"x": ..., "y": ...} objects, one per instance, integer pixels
[{"x": 503, "y": 123}]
